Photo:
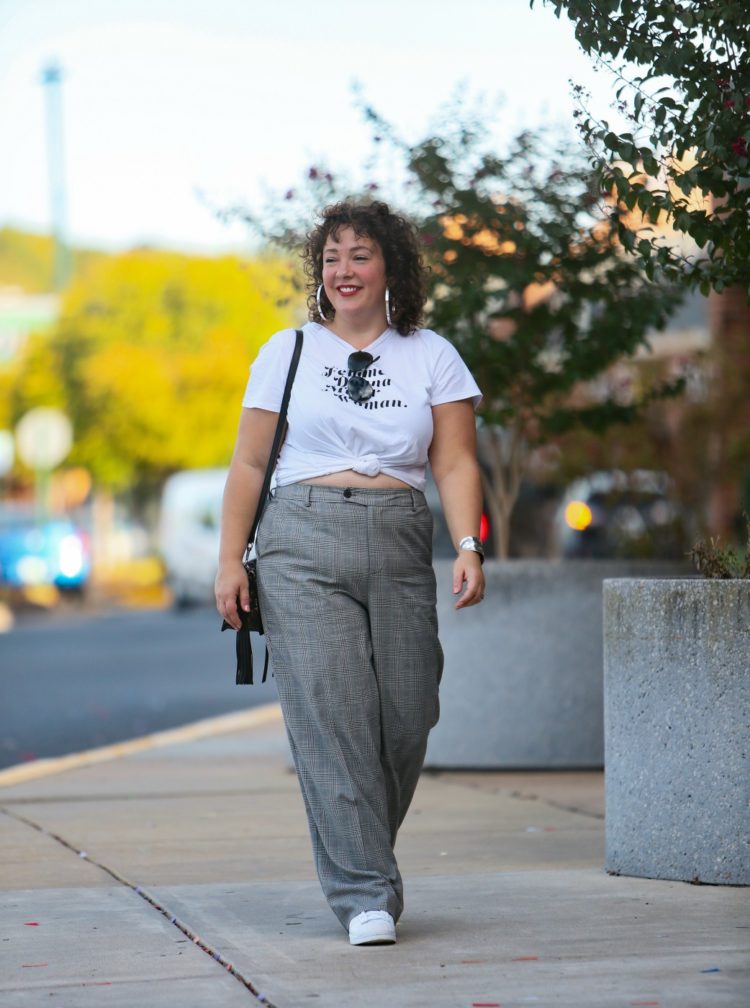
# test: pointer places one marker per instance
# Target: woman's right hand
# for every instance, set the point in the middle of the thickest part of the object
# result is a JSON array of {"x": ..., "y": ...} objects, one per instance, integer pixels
[{"x": 231, "y": 585}]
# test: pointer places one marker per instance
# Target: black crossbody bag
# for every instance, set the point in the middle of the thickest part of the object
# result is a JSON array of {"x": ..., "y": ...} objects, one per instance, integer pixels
[{"x": 251, "y": 620}]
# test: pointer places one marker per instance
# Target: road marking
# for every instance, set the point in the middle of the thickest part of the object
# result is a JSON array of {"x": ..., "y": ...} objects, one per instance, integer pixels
[{"x": 225, "y": 723}]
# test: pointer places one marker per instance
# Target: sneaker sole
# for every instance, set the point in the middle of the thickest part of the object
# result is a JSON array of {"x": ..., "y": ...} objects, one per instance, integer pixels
[{"x": 374, "y": 940}]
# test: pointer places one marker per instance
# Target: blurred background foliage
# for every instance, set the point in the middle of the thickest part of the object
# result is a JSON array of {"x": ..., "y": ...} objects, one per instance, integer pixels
[
  {"x": 148, "y": 358},
  {"x": 681, "y": 71},
  {"x": 26, "y": 260}
]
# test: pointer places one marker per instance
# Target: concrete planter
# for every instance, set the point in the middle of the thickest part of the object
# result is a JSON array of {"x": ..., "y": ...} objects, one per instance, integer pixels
[
  {"x": 523, "y": 671},
  {"x": 677, "y": 729}
]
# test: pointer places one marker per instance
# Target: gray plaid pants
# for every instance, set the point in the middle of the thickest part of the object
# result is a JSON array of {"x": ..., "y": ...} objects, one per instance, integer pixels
[{"x": 347, "y": 593}]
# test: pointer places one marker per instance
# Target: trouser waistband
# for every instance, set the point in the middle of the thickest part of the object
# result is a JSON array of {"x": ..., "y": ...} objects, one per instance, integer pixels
[{"x": 309, "y": 493}]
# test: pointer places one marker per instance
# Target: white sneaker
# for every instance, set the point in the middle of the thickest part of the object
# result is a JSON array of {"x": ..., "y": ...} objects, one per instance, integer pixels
[{"x": 372, "y": 927}]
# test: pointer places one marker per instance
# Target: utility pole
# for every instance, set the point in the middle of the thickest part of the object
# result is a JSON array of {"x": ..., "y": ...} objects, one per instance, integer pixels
[{"x": 52, "y": 81}]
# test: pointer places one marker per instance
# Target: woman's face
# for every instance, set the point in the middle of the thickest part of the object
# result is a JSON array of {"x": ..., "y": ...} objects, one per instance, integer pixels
[{"x": 354, "y": 275}]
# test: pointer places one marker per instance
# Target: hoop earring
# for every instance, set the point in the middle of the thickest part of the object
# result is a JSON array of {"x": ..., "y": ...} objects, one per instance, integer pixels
[
  {"x": 320, "y": 308},
  {"x": 388, "y": 317}
]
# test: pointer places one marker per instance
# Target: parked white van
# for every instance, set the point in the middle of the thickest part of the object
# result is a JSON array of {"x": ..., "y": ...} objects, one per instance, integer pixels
[{"x": 189, "y": 533}]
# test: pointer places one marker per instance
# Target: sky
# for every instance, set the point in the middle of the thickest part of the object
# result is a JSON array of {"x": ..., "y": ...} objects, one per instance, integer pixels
[{"x": 166, "y": 99}]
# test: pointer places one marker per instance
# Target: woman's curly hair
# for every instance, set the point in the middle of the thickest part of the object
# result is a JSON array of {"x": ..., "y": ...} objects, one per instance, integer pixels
[{"x": 404, "y": 270}]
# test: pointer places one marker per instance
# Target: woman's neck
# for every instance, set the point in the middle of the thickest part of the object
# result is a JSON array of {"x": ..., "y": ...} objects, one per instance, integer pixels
[{"x": 358, "y": 332}]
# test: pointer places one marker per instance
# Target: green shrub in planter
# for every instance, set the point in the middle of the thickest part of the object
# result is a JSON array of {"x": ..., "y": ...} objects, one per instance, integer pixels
[{"x": 716, "y": 561}]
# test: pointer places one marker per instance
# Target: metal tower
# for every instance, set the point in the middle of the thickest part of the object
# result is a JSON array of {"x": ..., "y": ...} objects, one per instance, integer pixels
[{"x": 52, "y": 81}]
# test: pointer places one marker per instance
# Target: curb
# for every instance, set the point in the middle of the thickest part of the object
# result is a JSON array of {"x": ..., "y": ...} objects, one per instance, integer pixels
[{"x": 221, "y": 725}]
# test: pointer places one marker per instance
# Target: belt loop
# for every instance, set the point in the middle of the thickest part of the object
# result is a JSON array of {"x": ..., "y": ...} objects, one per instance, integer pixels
[
  {"x": 413, "y": 500},
  {"x": 308, "y": 495}
]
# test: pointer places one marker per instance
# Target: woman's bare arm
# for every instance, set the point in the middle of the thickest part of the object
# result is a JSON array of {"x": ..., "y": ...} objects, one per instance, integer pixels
[
  {"x": 453, "y": 460},
  {"x": 246, "y": 471}
]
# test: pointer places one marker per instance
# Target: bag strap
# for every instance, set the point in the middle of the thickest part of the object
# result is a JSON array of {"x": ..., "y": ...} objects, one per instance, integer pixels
[{"x": 278, "y": 436}]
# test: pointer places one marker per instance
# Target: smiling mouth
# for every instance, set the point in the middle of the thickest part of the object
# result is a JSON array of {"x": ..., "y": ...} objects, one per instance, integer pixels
[{"x": 347, "y": 291}]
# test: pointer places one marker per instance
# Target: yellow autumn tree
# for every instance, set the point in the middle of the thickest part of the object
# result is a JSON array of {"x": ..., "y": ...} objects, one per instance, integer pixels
[{"x": 149, "y": 359}]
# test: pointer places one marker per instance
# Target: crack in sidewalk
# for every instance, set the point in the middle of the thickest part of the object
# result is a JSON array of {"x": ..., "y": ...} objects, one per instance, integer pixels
[
  {"x": 514, "y": 793},
  {"x": 145, "y": 895}
]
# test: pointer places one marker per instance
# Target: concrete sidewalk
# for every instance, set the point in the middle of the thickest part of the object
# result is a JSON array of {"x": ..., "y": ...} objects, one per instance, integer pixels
[{"x": 182, "y": 875}]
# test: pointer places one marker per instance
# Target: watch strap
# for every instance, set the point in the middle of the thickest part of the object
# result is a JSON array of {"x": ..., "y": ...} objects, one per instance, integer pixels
[{"x": 473, "y": 544}]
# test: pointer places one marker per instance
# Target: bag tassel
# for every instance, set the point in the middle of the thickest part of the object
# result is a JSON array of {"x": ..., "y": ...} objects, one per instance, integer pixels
[
  {"x": 265, "y": 666},
  {"x": 244, "y": 649}
]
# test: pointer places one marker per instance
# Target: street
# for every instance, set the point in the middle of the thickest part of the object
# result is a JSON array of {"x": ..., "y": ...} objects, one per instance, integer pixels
[{"x": 72, "y": 683}]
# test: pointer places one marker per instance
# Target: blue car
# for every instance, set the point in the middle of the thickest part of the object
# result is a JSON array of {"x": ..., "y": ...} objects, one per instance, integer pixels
[{"x": 42, "y": 551}]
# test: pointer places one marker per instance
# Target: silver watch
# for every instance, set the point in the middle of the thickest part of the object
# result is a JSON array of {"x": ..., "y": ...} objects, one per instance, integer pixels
[{"x": 473, "y": 544}]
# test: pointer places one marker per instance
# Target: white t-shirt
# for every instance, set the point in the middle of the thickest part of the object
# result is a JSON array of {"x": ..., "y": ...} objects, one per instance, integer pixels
[{"x": 328, "y": 432}]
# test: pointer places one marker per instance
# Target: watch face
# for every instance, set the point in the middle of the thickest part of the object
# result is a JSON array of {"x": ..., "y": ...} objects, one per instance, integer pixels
[
  {"x": 471, "y": 543},
  {"x": 473, "y": 547}
]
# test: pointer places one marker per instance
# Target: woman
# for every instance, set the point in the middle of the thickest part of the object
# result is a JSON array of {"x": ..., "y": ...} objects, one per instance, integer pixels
[{"x": 345, "y": 575}]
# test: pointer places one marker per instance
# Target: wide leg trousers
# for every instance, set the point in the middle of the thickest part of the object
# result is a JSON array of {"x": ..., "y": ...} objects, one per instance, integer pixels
[{"x": 347, "y": 593}]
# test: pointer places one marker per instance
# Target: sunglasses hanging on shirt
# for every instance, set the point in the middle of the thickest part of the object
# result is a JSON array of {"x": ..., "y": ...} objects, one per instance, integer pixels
[{"x": 359, "y": 389}]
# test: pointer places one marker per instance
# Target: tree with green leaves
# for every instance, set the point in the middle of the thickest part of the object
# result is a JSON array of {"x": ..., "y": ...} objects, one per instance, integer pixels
[
  {"x": 149, "y": 359},
  {"x": 682, "y": 173},
  {"x": 527, "y": 280},
  {"x": 537, "y": 294},
  {"x": 683, "y": 73}
]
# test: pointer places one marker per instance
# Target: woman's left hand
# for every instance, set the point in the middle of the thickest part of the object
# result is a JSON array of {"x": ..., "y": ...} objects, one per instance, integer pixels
[{"x": 467, "y": 570}]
